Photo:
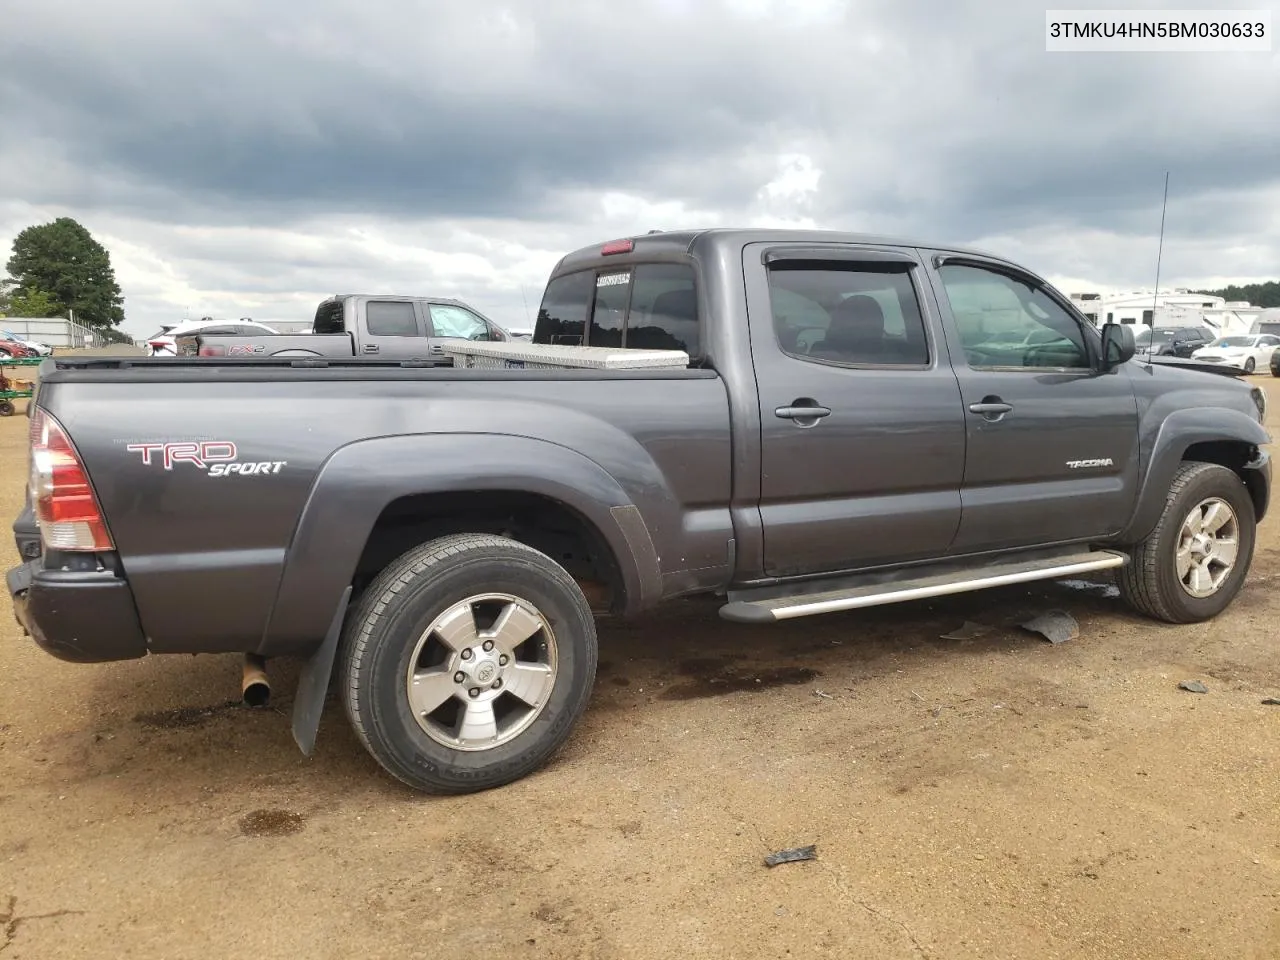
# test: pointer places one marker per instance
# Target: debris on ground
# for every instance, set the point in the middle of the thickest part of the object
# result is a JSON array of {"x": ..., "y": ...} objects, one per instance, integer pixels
[
  {"x": 1193, "y": 686},
  {"x": 823, "y": 695},
  {"x": 1108, "y": 590},
  {"x": 967, "y": 631},
  {"x": 791, "y": 855},
  {"x": 1271, "y": 702},
  {"x": 1056, "y": 626}
]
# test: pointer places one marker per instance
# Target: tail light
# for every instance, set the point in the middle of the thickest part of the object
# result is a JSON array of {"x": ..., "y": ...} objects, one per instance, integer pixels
[
  {"x": 616, "y": 246},
  {"x": 61, "y": 495}
]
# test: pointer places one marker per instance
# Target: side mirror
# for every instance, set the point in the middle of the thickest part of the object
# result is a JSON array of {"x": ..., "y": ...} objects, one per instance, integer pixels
[{"x": 1117, "y": 345}]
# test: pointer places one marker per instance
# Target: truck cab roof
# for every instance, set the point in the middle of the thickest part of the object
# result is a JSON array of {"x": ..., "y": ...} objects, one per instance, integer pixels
[
  {"x": 684, "y": 243},
  {"x": 395, "y": 296}
]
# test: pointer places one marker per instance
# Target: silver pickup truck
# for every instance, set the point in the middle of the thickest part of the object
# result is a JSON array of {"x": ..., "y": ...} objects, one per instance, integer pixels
[{"x": 360, "y": 325}]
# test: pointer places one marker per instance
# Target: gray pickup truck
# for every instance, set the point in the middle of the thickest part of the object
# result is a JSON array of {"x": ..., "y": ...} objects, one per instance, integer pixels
[
  {"x": 350, "y": 325},
  {"x": 862, "y": 421}
]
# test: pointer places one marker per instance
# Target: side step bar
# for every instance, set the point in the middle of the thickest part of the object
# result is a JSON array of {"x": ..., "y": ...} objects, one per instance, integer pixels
[{"x": 937, "y": 585}]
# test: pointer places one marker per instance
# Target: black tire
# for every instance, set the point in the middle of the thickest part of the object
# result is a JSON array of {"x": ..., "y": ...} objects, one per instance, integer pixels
[
  {"x": 1150, "y": 582},
  {"x": 1249, "y": 366},
  {"x": 398, "y": 608},
  {"x": 6, "y": 408}
]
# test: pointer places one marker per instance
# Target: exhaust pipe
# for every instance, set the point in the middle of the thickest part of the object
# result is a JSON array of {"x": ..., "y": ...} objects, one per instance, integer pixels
[{"x": 254, "y": 686}]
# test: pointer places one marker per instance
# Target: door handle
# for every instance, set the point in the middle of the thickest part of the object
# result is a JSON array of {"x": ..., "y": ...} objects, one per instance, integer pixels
[
  {"x": 804, "y": 411},
  {"x": 370, "y": 348},
  {"x": 991, "y": 408}
]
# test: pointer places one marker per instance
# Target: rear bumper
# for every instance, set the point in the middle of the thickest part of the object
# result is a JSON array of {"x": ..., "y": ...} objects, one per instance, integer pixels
[{"x": 82, "y": 617}]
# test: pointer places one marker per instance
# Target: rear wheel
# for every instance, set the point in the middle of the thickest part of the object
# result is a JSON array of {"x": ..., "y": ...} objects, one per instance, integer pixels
[
  {"x": 1195, "y": 561},
  {"x": 1249, "y": 365},
  {"x": 6, "y": 408},
  {"x": 467, "y": 663}
]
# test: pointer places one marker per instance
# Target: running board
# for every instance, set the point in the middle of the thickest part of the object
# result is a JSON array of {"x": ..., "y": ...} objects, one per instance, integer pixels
[{"x": 938, "y": 585}]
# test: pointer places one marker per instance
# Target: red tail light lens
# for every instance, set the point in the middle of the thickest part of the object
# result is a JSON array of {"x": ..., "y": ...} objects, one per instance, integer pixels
[
  {"x": 61, "y": 495},
  {"x": 616, "y": 246}
]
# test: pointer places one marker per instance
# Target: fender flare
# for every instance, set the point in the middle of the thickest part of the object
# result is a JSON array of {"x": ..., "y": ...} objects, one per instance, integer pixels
[
  {"x": 1179, "y": 431},
  {"x": 361, "y": 479}
]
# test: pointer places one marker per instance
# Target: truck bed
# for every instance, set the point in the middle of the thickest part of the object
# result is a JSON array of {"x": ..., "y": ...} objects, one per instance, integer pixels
[{"x": 208, "y": 547}]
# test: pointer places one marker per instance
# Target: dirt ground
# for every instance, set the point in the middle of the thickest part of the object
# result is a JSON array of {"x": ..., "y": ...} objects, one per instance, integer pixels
[{"x": 998, "y": 797}]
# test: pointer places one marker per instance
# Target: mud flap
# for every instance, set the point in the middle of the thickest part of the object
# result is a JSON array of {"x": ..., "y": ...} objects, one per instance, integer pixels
[{"x": 313, "y": 682}]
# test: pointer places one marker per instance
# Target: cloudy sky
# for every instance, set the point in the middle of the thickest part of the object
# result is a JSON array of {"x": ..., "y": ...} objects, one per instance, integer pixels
[{"x": 242, "y": 158}]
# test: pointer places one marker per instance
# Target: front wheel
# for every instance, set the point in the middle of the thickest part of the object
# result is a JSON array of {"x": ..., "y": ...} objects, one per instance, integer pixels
[
  {"x": 467, "y": 663},
  {"x": 6, "y": 408},
  {"x": 1195, "y": 561}
]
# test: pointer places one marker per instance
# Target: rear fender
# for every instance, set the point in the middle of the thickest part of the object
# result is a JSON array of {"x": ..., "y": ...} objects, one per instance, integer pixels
[{"x": 361, "y": 479}]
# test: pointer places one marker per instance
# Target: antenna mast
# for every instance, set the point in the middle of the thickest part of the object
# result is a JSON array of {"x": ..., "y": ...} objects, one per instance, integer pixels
[{"x": 1155, "y": 297}]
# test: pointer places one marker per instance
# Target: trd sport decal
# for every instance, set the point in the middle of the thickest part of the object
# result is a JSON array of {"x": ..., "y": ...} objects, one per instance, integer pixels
[{"x": 219, "y": 457}]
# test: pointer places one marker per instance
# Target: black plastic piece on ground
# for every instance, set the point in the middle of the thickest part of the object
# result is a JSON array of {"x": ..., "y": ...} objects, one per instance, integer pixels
[{"x": 791, "y": 855}]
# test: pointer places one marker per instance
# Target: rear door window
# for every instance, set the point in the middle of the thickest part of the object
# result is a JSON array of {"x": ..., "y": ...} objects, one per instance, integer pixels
[
  {"x": 392, "y": 318},
  {"x": 848, "y": 313}
]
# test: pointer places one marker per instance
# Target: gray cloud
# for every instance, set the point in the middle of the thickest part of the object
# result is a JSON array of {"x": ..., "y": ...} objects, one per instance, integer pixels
[{"x": 238, "y": 142}]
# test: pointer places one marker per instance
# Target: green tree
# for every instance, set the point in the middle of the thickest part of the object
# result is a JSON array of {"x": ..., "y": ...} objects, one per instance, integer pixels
[
  {"x": 1259, "y": 294},
  {"x": 32, "y": 302},
  {"x": 65, "y": 260}
]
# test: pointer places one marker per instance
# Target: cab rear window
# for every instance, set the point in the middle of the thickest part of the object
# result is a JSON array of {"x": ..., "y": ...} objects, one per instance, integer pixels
[
  {"x": 328, "y": 318},
  {"x": 645, "y": 306}
]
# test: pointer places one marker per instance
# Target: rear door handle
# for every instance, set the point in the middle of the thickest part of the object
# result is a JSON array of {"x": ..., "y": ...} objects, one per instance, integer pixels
[
  {"x": 992, "y": 408},
  {"x": 804, "y": 409},
  {"x": 370, "y": 348}
]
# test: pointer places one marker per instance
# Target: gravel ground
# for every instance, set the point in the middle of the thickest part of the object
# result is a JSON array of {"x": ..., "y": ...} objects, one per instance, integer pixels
[{"x": 995, "y": 797}]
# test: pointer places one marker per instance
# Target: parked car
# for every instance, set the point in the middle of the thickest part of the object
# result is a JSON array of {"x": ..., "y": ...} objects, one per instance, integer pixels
[
  {"x": 1171, "y": 341},
  {"x": 396, "y": 327},
  {"x": 848, "y": 431},
  {"x": 37, "y": 348},
  {"x": 1246, "y": 352},
  {"x": 163, "y": 345},
  {"x": 14, "y": 349}
]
